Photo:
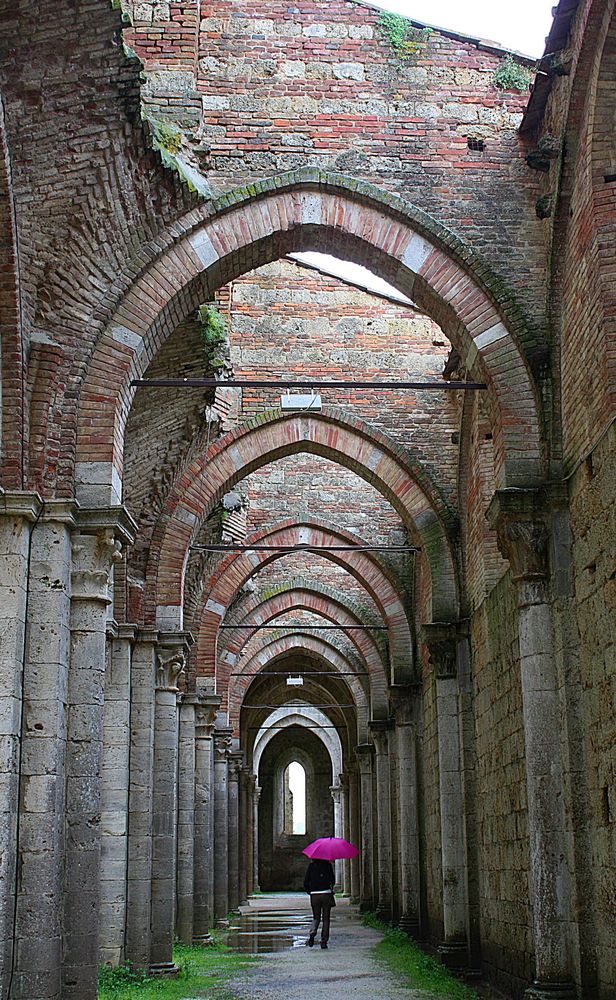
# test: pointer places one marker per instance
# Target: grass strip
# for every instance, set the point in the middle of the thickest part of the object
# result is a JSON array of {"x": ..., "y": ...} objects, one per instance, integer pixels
[
  {"x": 203, "y": 972},
  {"x": 421, "y": 971}
]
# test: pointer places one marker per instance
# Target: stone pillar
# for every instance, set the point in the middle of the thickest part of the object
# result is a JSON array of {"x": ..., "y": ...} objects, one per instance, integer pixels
[
  {"x": 380, "y": 734},
  {"x": 233, "y": 787},
  {"x": 408, "y": 810},
  {"x": 203, "y": 906},
  {"x": 170, "y": 663},
  {"x": 255, "y": 837},
  {"x": 365, "y": 753},
  {"x": 115, "y": 775},
  {"x": 139, "y": 873},
  {"x": 95, "y": 547},
  {"x": 441, "y": 640},
  {"x": 354, "y": 828},
  {"x": 186, "y": 820},
  {"x": 222, "y": 747},
  {"x": 245, "y": 834},
  {"x": 336, "y": 791},
  {"x": 346, "y": 832},
  {"x": 17, "y": 513},
  {"x": 35, "y": 969},
  {"x": 520, "y": 519}
]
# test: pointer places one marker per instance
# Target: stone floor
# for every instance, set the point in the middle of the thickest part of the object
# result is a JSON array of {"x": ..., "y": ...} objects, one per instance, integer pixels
[{"x": 276, "y": 928}]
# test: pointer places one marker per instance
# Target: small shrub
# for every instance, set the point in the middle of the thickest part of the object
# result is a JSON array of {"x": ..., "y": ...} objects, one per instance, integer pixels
[
  {"x": 510, "y": 75},
  {"x": 406, "y": 39},
  {"x": 214, "y": 335}
]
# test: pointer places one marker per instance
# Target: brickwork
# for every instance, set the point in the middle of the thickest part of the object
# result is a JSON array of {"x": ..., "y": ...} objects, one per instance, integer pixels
[
  {"x": 321, "y": 85},
  {"x": 504, "y": 890}
]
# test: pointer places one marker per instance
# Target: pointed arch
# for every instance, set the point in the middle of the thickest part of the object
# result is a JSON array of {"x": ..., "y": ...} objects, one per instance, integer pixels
[{"x": 307, "y": 210}]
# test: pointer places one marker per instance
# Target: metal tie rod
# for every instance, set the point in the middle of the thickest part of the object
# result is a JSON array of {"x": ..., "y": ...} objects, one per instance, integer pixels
[
  {"x": 310, "y": 673},
  {"x": 233, "y": 383},
  {"x": 305, "y": 548},
  {"x": 300, "y": 625}
]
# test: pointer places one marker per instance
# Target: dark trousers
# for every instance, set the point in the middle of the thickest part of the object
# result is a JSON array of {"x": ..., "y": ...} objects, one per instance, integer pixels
[{"x": 321, "y": 907}]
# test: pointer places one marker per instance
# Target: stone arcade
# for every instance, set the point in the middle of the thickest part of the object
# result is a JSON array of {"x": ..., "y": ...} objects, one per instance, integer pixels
[{"x": 454, "y": 703}]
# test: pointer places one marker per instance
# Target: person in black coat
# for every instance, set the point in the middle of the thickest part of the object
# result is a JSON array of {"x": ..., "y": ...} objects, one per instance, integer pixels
[{"x": 319, "y": 882}]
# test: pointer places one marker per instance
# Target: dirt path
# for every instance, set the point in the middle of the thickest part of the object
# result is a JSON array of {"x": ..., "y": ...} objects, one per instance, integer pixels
[{"x": 346, "y": 970}]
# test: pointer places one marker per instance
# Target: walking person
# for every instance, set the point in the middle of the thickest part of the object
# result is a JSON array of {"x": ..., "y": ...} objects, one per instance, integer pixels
[{"x": 319, "y": 882}]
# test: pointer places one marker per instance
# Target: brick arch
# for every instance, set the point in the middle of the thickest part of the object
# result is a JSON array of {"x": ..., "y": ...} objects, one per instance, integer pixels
[
  {"x": 324, "y": 600},
  {"x": 330, "y": 738},
  {"x": 11, "y": 357},
  {"x": 237, "y": 568},
  {"x": 265, "y": 439},
  {"x": 306, "y": 210},
  {"x": 332, "y": 611},
  {"x": 315, "y": 648}
]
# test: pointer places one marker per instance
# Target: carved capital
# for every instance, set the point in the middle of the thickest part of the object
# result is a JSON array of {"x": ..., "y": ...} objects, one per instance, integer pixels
[
  {"x": 206, "y": 707},
  {"x": 404, "y": 704},
  {"x": 222, "y": 743},
  {"x": 520, "y": 520},
  {"x": 441, "y": 638},
  {"x": 168, "y": 670},
  {"x": 364, "y": 753},
  {"x": 379, "y": 730},
  {"x": 93, "y": 558}
]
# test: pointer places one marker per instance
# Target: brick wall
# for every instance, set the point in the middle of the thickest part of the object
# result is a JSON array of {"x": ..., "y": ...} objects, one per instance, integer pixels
[{"x": 284, "y": 87}]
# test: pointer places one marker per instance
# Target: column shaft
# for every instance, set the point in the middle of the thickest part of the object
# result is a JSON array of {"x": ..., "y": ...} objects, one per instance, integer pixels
[
  {"x": 139, "y": 877},
  {"x": 186, "y": 821},
  {"x": 15, "y": 527},
  {"x": 367, "y": 889},
  {"x": 115, "y": 775},
  {"x": 383, "y": 812},
  {"x": 93, "y": 556},
  {"x": 355, "y": 834},
  {"x": 255, "y": 839},
  {"x": 222, "y": 745},
  {"x": 170, "y": 662},
  {"x": 37, "y": 960},
  {"x": 234, "y": 822},
  {"x": 409, "y": 829}
]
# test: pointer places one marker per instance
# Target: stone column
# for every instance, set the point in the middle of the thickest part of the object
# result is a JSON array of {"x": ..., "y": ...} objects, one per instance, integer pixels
[
  {"x": 336, "y": 791},
  {"x": 405, "y": 736},
  {"x": 139, "y": 872},
  {"x": 115, "y": 775},
  {"x": 36, "y": 964},
  {"x": 203, "y": 906},
  {"x": 255, "y": 837},
  {"x": 186, "y": 820},
  {"x": 380, "y": 734},
  {"x": 95, "y": 547},
  {"x": 18, "y": 511},
  {"x": 441, "y": 639},
  {"x": 346, "y": 833},
  {"x": 365, "y": 753},
  {"x": 222, "y": 747},
  {"x": 233, "y": 787},
  {"x": 245, "y": 834},
  {"x": 170, "y": 663},
  {"x": 520, "y": 519},
  {"x": 354, "y": 827}
]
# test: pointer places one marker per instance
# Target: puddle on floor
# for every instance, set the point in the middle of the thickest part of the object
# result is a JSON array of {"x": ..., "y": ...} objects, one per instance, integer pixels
[{"x": 262, "y": 932}]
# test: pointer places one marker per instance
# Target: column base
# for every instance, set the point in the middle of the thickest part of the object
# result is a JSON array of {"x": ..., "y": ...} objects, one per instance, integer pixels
[
  {"x": 223, "y": 923},
  {"x": 562, "y": 990},
  {"x": 365, "y": 906},
  {"x": 383, "y": 913},
  {"x": 410, "y": 926},
  {"x": 167, "y": 969},
  {"x": 453, "y": 954},
  {"x": 203, "y": 940}
]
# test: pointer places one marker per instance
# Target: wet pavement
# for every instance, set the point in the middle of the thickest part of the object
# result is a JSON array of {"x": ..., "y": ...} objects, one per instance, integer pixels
[{"x": 275, "y": 929}]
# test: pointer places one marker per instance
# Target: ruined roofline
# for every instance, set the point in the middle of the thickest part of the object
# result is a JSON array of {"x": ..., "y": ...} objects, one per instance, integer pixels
[
  {"x": 484, "y": 44},
  {"x": 355, "y": 284},
  {"x": 556, "y": 41}
]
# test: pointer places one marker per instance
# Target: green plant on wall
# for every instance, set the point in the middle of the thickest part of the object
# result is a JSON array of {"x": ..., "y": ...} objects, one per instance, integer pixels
[
  {"x": 404, "y": 37},
  {"x": 214, "y": 336},
  {"x": 511, "y": 76}
]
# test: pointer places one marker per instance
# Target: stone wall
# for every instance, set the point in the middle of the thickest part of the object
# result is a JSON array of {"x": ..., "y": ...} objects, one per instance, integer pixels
[
  {"x": 504, "y": 889},
  {"x": 321, "y": 84}
]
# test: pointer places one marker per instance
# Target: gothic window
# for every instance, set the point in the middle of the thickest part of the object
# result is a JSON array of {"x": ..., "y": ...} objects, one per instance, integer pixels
[{"x": 294, "y": 791}]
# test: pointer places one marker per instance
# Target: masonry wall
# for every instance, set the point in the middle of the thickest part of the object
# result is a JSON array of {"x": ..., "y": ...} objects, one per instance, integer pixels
[
  {"x": 504, "y": 890},
  {"x": 286, "y": 87}
]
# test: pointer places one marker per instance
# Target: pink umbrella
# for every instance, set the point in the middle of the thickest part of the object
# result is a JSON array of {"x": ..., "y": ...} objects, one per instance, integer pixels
[{"x": 330, "y": 849}]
